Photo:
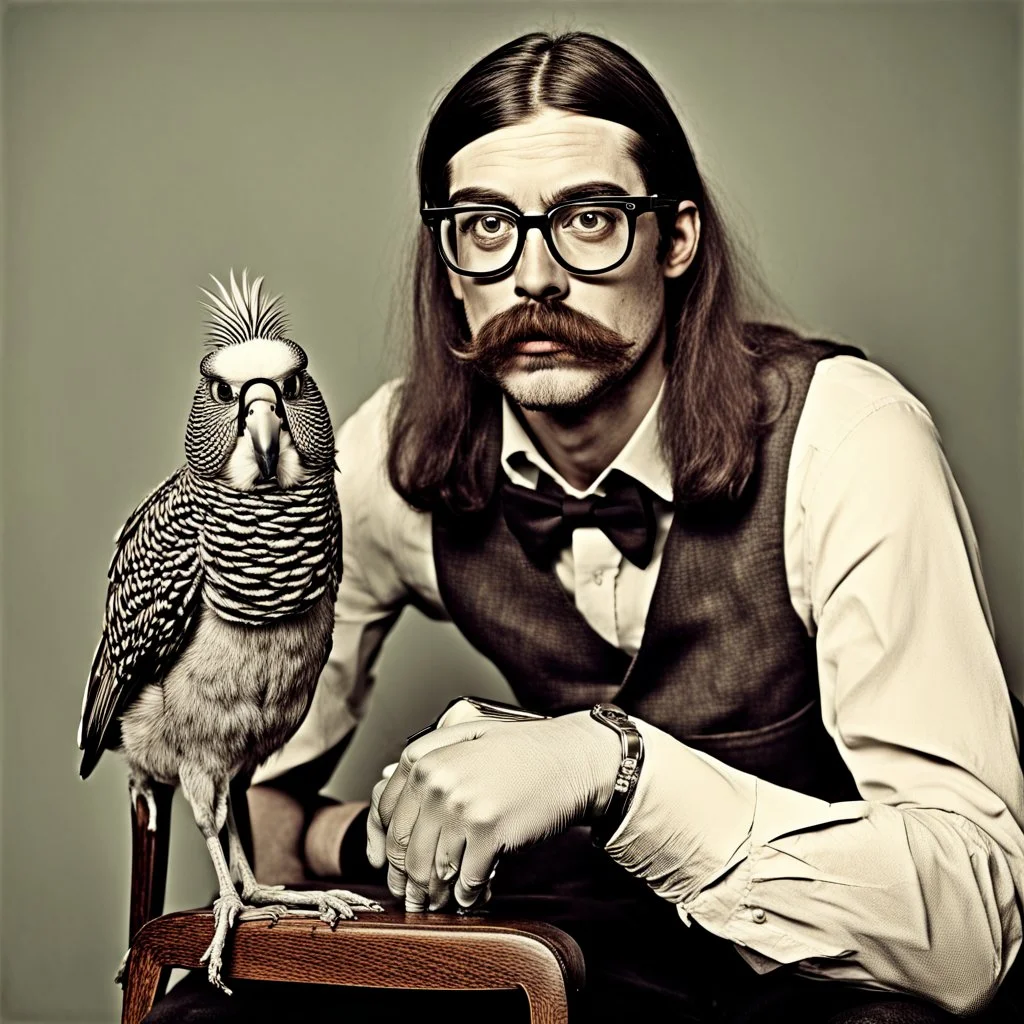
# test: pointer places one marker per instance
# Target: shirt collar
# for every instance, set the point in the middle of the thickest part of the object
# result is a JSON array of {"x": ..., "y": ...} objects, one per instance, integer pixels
[{"x": 641, "y": 457}]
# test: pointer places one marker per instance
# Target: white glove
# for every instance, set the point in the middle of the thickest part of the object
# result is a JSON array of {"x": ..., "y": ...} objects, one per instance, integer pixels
[{"x": 463, "y": 794}]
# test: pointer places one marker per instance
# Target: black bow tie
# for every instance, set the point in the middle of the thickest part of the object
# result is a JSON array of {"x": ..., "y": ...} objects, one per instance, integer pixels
[{"x": 543, "y": 520}]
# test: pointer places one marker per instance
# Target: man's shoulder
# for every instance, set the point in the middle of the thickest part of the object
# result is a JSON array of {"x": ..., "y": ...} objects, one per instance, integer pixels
[
  {"x": 845, "y": 391},
  {"x": 364, "y": 485},
  {"x": 368, "y": 425}
]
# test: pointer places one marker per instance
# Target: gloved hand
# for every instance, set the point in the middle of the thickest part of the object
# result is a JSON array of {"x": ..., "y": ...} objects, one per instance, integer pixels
[{"x": 463, "y": 794}]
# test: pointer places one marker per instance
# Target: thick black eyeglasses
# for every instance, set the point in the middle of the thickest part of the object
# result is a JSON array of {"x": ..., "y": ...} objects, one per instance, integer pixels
[{"x": 589, "y": 236}]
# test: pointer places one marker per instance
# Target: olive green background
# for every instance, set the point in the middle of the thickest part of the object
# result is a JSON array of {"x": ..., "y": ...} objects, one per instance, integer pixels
[{"x": 869, "y": 154}]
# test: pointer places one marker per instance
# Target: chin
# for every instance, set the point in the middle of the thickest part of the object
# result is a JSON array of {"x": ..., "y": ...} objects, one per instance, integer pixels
[{"x": 555, "y": 388}]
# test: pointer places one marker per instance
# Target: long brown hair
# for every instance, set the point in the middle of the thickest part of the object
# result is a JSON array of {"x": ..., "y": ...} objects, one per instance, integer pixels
[{"x": 710, "y": 418}]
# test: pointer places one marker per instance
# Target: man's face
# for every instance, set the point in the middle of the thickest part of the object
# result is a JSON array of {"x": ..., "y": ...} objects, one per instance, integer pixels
[{"x": 528, "y": 166}]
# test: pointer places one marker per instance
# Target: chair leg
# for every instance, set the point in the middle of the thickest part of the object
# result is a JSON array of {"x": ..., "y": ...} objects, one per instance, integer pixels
[{"x": 146, "y": 981}]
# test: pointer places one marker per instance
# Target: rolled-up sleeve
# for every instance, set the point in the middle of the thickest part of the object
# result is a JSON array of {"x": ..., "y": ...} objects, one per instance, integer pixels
[{"x": 917, "y": 887}]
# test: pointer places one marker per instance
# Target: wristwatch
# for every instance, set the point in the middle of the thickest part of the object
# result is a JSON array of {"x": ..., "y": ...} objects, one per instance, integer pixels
[{"x": 627, "y": 776}]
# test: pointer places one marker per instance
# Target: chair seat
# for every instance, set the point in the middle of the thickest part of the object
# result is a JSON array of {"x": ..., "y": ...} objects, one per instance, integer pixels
[{"x": 386, "y": 950}]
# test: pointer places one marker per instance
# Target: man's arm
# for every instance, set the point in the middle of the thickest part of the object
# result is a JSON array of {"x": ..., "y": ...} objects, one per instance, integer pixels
[
  {"x": 918, "y": 886},
  {"x": 296, "y": 831},
  {"x": 288, "y": 821}
]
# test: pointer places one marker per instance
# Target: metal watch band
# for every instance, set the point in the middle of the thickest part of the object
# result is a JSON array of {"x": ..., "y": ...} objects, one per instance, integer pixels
[{"x": 627, "y": 776}]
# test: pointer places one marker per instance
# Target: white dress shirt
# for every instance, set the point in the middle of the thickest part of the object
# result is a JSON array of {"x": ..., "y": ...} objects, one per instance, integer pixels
[{"x": 917, "y": 887}]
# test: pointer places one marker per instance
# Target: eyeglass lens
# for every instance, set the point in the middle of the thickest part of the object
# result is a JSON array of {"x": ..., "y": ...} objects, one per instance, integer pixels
[{"x": 587, "y": 237}]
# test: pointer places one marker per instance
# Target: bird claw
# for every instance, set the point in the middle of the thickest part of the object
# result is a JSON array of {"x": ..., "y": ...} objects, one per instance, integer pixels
[
  {"x": 225, "y": 911},
  {"x": 354, "y": 901},
  {"x": 332, "y": 905},
  {"x": 274, "y": 912}
]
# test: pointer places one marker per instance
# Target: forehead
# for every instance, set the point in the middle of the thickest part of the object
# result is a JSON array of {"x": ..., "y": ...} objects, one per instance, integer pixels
[{"x": 533, "y": 159}]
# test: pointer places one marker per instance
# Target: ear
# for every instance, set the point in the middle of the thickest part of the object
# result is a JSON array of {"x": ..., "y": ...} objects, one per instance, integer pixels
[
  {"x": 685, "y": 236},
  {"x": 455, "y": 280}
]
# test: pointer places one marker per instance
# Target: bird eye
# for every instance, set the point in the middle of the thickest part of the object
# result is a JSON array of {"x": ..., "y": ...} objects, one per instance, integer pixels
[
  {"x": 221, "y": 392},
  {"x": 292, "y": 387}
]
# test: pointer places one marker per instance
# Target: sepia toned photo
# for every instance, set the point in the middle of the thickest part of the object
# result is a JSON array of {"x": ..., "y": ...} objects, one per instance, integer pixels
[{"x": 512, "y": 512}]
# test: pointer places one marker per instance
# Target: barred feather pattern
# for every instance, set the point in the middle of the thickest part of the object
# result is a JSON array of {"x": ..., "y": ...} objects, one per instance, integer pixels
[
  {"x": 255, "y": 557},
  {"x": 268, "y": 554},
  {"x": 211, "y": 433},
  {"x": 309, "y": 423},
  {"x": 155, "y": 585}
]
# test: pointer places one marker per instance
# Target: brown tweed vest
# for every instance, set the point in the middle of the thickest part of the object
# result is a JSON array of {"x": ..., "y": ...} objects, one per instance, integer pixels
[{"x": 725, "y": 665}]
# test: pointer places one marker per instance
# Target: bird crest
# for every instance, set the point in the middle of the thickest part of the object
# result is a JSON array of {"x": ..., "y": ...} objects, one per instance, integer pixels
[{"x": 241, "y": 313}]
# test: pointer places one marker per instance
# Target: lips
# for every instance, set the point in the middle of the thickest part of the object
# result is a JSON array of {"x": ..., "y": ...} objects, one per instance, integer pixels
[{"x": 538, "y": 346}]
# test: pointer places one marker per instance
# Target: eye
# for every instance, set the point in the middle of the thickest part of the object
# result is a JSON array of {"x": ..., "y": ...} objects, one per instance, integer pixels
[
  {"x": 221, "y": 391},
  {"x": 490, "y": 225},
  {"x": 487, "y": 228},
  {"x": 586, "y": 221},
  {"x": 292, "y": 387}
]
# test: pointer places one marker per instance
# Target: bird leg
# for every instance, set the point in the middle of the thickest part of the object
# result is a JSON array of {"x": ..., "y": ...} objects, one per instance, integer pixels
[
  {"x": 330, "y": 906},
  {"x": 209, "y": 805},
  {"x": 226, "y": 909}
]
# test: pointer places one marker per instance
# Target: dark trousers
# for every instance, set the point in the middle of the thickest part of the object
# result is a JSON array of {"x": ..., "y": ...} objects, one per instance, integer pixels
[{"x": 642, "y": 964}]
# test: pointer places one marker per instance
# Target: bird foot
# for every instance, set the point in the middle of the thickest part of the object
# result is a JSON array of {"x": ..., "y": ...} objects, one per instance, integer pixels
[
  {"x": 226, "y": 909},
  {"x": 331, "y": 905}
]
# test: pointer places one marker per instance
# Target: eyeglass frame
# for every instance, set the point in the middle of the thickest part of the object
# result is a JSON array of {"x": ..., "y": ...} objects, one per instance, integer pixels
[{"x": 633, "y": 206}]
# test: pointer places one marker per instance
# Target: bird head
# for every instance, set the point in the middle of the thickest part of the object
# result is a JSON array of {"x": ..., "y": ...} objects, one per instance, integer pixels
[{"x": 257, "y": 414}]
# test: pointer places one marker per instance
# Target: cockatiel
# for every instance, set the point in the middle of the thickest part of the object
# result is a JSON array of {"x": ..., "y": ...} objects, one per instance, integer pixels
[{"x": 220, "y": 607}]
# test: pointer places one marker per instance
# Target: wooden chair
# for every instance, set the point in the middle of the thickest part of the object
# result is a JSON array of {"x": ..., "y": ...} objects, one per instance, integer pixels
[{"x": 389, "y": 950}]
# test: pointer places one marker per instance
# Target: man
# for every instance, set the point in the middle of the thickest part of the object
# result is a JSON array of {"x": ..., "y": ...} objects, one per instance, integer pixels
[{"x": 620, "y": 491}]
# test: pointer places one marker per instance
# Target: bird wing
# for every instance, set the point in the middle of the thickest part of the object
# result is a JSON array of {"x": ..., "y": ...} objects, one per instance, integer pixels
[{"x": 155, "y": 588}]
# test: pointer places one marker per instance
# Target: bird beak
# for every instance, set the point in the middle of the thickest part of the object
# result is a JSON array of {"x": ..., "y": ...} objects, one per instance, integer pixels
[{"x": 264, "y": 427}]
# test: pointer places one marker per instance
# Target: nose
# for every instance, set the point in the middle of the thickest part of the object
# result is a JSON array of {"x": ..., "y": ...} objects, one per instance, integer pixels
[{"x": 538, "y": 275}]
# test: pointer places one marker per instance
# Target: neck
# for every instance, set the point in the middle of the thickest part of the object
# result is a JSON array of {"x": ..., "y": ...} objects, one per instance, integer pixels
[{"x": 581, "y": 443}]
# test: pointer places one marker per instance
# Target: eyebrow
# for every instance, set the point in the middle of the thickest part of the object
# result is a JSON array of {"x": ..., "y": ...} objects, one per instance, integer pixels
[
  {"x": 571, "y": 193},
  {"x": 588, "y": 190},
  {"x": 482, "y": 195}
]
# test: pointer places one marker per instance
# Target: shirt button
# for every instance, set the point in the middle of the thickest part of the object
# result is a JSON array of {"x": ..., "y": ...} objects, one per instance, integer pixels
[
  {"x": 599, "y": 576},
  {"x": 758, "y": 915}
]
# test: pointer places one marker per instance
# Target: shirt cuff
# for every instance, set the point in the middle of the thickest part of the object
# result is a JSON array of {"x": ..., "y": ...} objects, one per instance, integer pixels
[
  {"x": 737, "y": 908},
  {"x": 689, "y": 822},
  {"x": 327, "y": 827}
]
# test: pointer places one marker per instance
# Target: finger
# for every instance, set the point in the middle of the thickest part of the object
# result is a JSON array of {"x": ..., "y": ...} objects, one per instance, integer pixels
[
  {"x": 399, "y": 831},
  {"x": 412, "y": 831},
  {"x": 447, "y": 859},
  {"x": 376, "y": 834},
  {"x": 481, "y": 902},
  {"x": 419, "y": 857},
  {"x": 396, "y": 882},
  {"x": 375, "y": 830},
  {"x": 477, "y": 869},
  {"x": 419, "y": 815},
  {"x": 396, "y": 877}
]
